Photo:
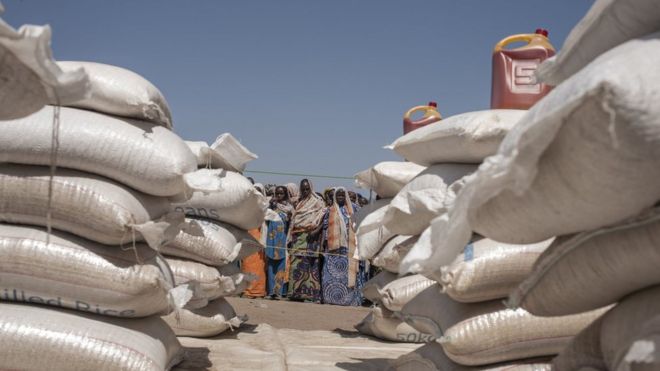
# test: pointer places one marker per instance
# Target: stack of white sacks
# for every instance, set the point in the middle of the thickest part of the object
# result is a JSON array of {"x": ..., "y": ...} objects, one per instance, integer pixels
[
  {"x": 103, "y": 171},
  {"x": 561, "y": 218}
]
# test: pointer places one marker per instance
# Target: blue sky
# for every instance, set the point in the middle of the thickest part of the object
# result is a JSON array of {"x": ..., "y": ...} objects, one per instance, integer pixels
[{"x": 316, "y": 87}]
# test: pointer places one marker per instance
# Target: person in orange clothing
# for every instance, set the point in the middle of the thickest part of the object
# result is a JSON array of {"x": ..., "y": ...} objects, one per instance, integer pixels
[{"x": 256, "y": 263}]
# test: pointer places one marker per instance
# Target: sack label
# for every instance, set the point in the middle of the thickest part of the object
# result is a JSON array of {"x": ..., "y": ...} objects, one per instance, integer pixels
[{"x": 21, "y": 296}]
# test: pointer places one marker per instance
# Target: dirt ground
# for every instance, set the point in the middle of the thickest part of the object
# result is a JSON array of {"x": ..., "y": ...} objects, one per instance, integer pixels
[{"x": 300, "y": 316}]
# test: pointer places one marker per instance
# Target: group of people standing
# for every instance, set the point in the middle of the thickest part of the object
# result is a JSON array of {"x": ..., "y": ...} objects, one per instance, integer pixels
[{"x": 310, "y": 247}]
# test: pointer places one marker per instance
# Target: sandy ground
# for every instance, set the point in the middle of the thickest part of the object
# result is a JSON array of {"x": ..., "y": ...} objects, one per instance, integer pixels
[{"x": 285, "y": 314}]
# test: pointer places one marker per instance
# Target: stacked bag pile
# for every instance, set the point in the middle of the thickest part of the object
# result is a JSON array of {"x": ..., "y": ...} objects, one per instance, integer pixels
[
  {"x": 568, "y": 205},
  {"x": 206, "y": 252}
]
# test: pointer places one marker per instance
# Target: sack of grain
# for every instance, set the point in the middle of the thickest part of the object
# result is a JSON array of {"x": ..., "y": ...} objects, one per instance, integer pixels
[
  {"x": 121, "y": 92},
  {"x": 630, "y": 332},
  {"x": 382, "y": 324},
  {"x": 374, "y": 286},
  {"x": 424, "y": 198},
  {"x": 394, "y": 250},
  {"x": 584, "y": 157},
  {"x": 488, "y": 270},
  {"x": 593, "y": 269},
  {"x": 236, "y": 202},
  {"x": 387, "y": 178},
  {"x": 607, "y": 24},
  {"x": 86, "y": 205},
  {"x": 431, "y": 357},
  {"x": 210, "y": 242},
  {"x": 399, "y": 292},
  {"x": 30, "y": 77},
  {"x": 207, "y": 282},
  {"x": 225, "y": 153},
  {"x": 487, "y": 332},
  {"x": 79, "y": 274},
  {"x": 371, "y": 234},
  {"x": 142, "y": 155},
  {"x": 44, "y": 338},
  {"x": 213, "y": 319},
  {"x": 583, "y": 352},
  {"x": 465, "y": 138}
]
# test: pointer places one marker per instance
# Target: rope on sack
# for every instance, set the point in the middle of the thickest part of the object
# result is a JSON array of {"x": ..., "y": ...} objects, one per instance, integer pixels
[{"x": 54, "y": 148}]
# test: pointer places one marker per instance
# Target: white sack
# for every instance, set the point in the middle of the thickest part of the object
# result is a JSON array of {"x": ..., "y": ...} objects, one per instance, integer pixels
[
  {"x": 584, "y": 157},
  {"x": 399, "y": 292},
  {"x": 383, "y": 325},
  {"x": 608, "y": 24},
  {"x": 387, "y": 178},
  {"x": 79, "y": 274},
  {"x": 213, "y": 319},
  {"x": 371, "y": 234},
  {"x": 44, "y": 338},
  {"x": 225, "y": 153},
  {"x": 593, "y": 269},
  {"x": 210, "y": 242},
  {"x": 583, "y": 352},
  {"x": 236, "y": 201},
  {"x": 121, "y": 92},
  {"x": 372, "y": 289},
  {"x": 30, "y": 77},
  {"x": 424, "y": 198},
  {"x": 466, "y": 138},
  {"x": 394, "y": 250},
  {"x": 142, "y": 155},
  {"x": 488, "y": 270},
  {"x": 207, "y": 282},
  {"x": 86, "y": 205}
]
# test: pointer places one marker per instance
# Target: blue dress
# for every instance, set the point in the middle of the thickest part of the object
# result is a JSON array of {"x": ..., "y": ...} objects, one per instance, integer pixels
[
  {"x": 334, "y": 274},
  {"x": 276, "y": 274}
]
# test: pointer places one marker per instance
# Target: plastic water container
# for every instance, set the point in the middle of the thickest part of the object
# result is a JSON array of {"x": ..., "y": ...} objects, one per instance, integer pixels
[
  {"x": 430, "y": 115},
  {"x": 514, "y": 84}
]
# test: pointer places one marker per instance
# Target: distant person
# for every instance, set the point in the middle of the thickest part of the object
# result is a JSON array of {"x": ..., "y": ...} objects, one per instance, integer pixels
[
  {"x": 304, "y": 246},
  {"x": 342, "y": 277},
  {"x": 294, "y": 193},
  {"x": 353, "y": 197},
  {"x": 276, "y": 241},
  {"x": 256, "y": 263},
  {"x": 328, "y": 194},
  {"x": 362, "y": 201}
]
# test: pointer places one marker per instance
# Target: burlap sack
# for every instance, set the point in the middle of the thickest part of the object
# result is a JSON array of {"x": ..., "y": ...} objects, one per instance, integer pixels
[
  {"x": 118, "y": 91},
  {"x": 225, "y": 153},
  {"x": 394, "y": 250},
  {"x": 431, "y": 357},
  {"x": 371, "y": 233},
  {"x": 593, "y": 269},
  {"x": 630, "y": 332},
  {"x": 236, "y": 202},
  {"x": 465, "y": 138},
  {"x": 79, "y": 274},
  {"x": 382, "y": 324},
  {"x": 583, "y": 157},
  {"x": 30, "y": 77},
  {"x": 607, "y": 24},
  {"x": 207, "y": 282},
  {"x": 86, "y": 205},
  {"x": 387, "y": 178},
  {"x": 44, "y": 338},
  {"x": 142, "y": 155},
  {"x": 488, "y": 270},
  {"x": 424, "y": 198},
  {"x": 213, "y": 319},
  {"x": 212, "y": 243}
]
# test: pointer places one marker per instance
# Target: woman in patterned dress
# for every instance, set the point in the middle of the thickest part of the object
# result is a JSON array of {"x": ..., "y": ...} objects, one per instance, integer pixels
[
  {"x": 276, "y": 241},
  {"x": 342, "y": 276},
  {"x": 304, "y": 246}
]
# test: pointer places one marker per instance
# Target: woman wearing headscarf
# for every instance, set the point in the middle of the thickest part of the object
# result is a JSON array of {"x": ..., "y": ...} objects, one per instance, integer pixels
[
  {"x": 256, "y": 263},
  {"x": 342, "y": 276},
  {"x": 304, "y": 245},
  {"x": 294, "y": 193},
  {"x": 276, "y": 239}
]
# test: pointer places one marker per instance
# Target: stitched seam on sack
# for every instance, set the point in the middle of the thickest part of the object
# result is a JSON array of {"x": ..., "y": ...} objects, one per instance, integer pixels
[{"x": 499, "y": 350}]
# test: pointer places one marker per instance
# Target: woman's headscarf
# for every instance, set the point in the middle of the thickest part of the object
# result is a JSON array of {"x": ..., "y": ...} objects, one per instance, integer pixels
[
  {"x": 294, "y": 193},
  {"x": 341, "y": 234},
  {"x": 284, "y": 206},
  {"x": 309, "y": 211}
]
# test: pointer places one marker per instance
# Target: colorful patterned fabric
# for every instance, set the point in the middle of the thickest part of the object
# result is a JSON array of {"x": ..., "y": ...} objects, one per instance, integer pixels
[
  {"x": 276, "y": 237},
  {"x": 276, "y": 277},
  {"x": 337, "y": 228},
  {"x": 305, "y": 278},
  {"x": 256, "y": 265},
  {"x": 334, "y": 278}
]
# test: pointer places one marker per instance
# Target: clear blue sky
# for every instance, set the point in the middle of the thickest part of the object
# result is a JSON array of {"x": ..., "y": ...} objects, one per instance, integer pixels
[{"x": 310, "y": 86}]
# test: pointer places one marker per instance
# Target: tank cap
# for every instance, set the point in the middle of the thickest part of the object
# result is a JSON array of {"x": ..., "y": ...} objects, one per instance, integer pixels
[
  {"x": 541, "y": 31},
  {"x": 433, "y": 104}
]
